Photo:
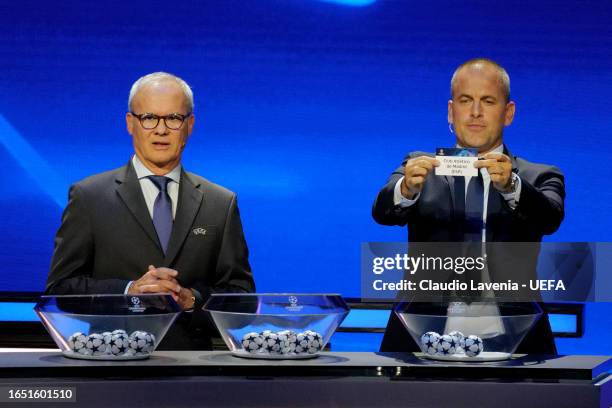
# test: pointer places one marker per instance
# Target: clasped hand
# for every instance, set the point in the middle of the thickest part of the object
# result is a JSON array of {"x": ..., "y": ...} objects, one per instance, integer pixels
[{"x": 163, "y": 280}]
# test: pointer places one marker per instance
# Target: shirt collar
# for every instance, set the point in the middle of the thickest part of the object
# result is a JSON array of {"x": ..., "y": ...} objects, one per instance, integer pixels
[
  {"x": 142, "y": 171},
  {"x": 498, "y": 149}
]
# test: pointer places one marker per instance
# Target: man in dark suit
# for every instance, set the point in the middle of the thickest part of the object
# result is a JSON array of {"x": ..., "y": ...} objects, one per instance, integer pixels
[
  {"x": 525, "y": 200},
  {"x": 150, "y": 226}
]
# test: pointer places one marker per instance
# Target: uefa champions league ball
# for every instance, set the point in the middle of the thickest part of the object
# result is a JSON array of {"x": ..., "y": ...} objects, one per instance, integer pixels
[
  {"x": 309, "y": 342},
  {"x": 429, "y": 342},
  {"x": 107, "y": 339},
  {"x": 473, "y": 345},
  {"x": 272, "y": 344},
  {"x": 119, "y": 344},
  {"x": 288, "y": 339},
  {"x": 141, "y": 342},
  {"x": 315, "y": 341},
  {"x": 253, "y": 342},
  {"x": 459, "y": 338},
  {"x": 303, "y": 343},
  {"x": 95, "y": 344},
  {"x": 287, "y": 335},
  {"x": 77, "y": 341},
  {"x": 446, "y": 345}
]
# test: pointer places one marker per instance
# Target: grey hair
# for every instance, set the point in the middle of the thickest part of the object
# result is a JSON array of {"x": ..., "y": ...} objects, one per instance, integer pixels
[
  {"x": 158, "y": 77},
  {"x": 504, "y": 78}
]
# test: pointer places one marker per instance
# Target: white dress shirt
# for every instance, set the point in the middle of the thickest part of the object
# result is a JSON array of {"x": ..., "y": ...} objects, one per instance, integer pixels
[{"x": 150, "y": 190}]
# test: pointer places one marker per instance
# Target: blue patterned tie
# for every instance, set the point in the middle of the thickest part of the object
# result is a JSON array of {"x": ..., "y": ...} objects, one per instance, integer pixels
[
  {"x": 473, "y": 209},
  {"x": 162, "y": 211}
]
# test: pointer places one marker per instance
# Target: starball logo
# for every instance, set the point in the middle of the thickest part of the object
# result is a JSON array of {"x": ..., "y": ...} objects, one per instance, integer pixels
[
  {"x": 293, "y": 304},
  {"x": 136, "y": 306}
]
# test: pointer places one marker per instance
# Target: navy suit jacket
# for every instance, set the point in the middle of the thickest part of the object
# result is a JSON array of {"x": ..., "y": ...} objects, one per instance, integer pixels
[
  {"x": 438, "y": 216},
  {"x": 107, "y": 238}
]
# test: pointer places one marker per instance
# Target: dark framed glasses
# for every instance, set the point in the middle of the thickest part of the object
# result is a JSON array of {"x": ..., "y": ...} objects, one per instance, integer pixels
[{"x": 150, "y": 121}]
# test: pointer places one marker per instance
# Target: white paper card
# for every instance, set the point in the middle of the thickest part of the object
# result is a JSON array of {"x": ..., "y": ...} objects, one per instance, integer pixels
[{"x": 456, "y": 166}]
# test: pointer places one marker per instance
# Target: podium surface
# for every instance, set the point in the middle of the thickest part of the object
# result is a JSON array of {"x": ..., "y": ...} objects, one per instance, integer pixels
[{"x": 363, "y": 379}]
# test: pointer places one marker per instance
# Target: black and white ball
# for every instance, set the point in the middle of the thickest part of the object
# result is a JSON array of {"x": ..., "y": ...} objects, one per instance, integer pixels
[
  {"x": 272, "y": 344},
  {"x": 459, "y": 338},
  {"x": 253, "y": 342},
  {"x": 317, "y": 340},
  {"x": 307, "y": 342},
  {"x": 446, "y": 345},
  {"x": 473, "y": 346},
  {"x": 107, "y": 339},
  {"x": 77, "y": 341},
  {"x": 119, "y": 344},
  {"x": 429, "y": 342},
  {"x": 95, "y": 344},
  {"x": 288, "y": 340},
  {"x": 141, "y": 342},
  {"x": 303, "y": 343}
]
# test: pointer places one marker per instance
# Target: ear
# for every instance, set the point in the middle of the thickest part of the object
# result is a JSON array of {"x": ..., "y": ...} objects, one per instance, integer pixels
[
  {"x": 129, "y": 123},
  {"x": 190, "y": 123},
  {"x": 509, "y": 114},
  {"x": 450, "y": 112}
]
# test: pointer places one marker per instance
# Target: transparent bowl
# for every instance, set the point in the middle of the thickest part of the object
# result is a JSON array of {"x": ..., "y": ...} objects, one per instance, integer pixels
[
  {"x": 478, "y": 331},
  {"x": 276, "y": 325},
  {"x": 107, "y": 327}
]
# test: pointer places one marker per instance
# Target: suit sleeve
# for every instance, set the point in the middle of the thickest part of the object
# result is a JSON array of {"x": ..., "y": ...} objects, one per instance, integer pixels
[
  {"x": 540, "y": 204},
  {"x": 384, "y": 209},
  {"x": 72, "y": 262}
]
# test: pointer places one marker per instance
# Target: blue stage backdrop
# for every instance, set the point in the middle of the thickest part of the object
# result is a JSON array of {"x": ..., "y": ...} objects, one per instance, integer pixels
[{"x": 303, "y": 108}]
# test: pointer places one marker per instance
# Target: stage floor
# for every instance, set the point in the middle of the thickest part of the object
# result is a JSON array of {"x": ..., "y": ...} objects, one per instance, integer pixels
[{"x": 205, "y": 378}]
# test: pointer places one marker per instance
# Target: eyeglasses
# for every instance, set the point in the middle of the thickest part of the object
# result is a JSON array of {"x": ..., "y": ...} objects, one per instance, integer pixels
[{"x": 150, "y": 121}]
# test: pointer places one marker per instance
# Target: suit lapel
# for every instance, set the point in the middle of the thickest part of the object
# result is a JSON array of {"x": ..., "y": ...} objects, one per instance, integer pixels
[
  {"x": 190, "y": 199},
  {"x": 130, "y": 192}
]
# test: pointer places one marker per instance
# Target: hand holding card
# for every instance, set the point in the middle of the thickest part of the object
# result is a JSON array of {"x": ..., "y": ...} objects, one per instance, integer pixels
[
  {"x": 415, "y": 172},
  {"x": 499, "y": 167}
]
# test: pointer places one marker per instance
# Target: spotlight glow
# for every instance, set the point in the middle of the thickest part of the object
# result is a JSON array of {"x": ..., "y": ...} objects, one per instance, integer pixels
[{"x": 32, "y": 162}]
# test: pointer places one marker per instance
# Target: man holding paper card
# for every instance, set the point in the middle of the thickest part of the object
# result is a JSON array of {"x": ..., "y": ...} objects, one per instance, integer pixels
[{"x": 432, "y": 195}]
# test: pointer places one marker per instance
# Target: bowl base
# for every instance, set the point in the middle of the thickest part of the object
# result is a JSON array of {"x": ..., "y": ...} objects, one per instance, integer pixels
[
  {"x": 265, "y": 356},
  {"x": 104, "y": 357},
  {"x": 484, "y": 356}
]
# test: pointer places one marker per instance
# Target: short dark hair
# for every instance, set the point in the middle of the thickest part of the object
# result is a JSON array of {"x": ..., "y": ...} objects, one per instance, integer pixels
[{"x": 504, "y": 78}]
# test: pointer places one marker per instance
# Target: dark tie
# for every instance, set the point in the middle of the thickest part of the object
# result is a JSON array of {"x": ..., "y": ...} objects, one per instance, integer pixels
[
  {"x": 162, "y": 211},
  {"x": 472, "y": 233},
  {"x": 473, "y": 209}
]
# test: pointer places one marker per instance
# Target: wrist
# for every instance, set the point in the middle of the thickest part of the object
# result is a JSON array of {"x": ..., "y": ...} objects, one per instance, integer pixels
[
  {"x": 511, "y": 185},
  {"x": 406, "y": 192}
]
